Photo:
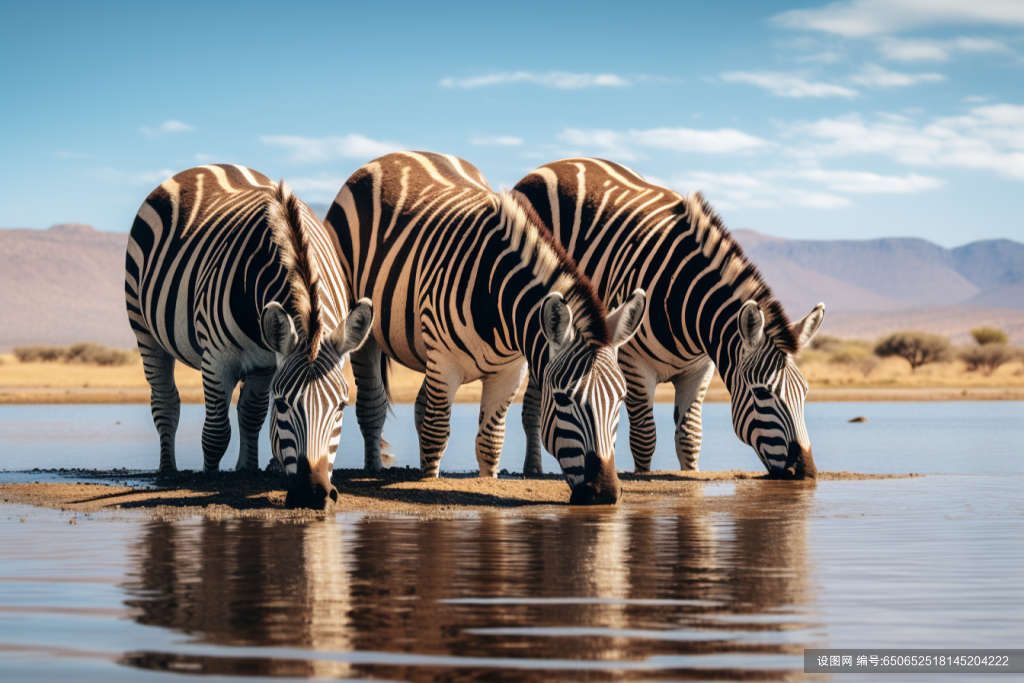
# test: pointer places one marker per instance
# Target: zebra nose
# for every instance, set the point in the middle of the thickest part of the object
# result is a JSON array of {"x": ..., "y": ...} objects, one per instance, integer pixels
[
  {"x": 799, "y": 464},
  {"x": 601, "y": 485},
  {"x": 311, "y": 487}
]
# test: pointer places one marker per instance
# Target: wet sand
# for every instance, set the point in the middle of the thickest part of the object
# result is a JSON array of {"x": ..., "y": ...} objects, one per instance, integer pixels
[{"x": 395, "y": 491}]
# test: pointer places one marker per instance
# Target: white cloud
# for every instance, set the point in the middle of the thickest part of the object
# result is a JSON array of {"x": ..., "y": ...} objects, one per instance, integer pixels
[
  {"x": 874, "y": 76},
  {"x": 860, "y": 18},
  {"x": 552, "y": 79},
  {"x": 150, "y": 178},
  {"x": 204, "y": 158},
  {"x": 500, "y": 140},
  {"x": 744, "y": 190},
  {"x": 171, "y": 126},
  {"x": 989, "y": 138},
  {"x": 861, "y": 182},
  {"x": 321, "y": 187},
  {"x": 927, "y": 50},
  {"x": 621, "y": 144},
  {"x": 351, "y": 146},
  {"x": 788, "y": 84}
]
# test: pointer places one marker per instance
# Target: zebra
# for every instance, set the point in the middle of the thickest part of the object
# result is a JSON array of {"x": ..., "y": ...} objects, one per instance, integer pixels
[
  {"x": 710, "y": 307},
  {"x": 468, "y": 284},
  {"x": 230, "y": 273}
]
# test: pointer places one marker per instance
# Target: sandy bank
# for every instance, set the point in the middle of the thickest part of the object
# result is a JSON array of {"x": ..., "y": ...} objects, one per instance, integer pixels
[{"x": 398, "y": 491}]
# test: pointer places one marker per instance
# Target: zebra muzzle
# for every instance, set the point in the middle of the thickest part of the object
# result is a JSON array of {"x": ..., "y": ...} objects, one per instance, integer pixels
[
  {"x": 310, "y": 486},
  {"x": 799, "y": 465},
  {"x": 601, "y": 485}
]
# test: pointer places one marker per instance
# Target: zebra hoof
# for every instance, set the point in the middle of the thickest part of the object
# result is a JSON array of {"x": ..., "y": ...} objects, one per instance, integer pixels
[{"x": 533, "y": 472}]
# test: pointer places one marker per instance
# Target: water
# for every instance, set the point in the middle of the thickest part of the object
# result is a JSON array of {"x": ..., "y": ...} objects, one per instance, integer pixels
[
  {"x": 949, "y": 438},
  {"x": 730, "y": 582}
]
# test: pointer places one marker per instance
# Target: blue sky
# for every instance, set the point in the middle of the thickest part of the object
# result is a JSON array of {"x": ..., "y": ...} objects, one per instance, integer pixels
[{"x": 806, "y": 120}]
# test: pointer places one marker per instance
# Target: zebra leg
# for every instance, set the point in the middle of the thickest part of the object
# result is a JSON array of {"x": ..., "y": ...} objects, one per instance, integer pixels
[
  {"x": 440, "y": 388},
  {"x": 691, "y": 386},
  {"x": 253, "y": 402},
  {"x": 498, "y": 393},
  {"x": 640, "y": 386},
  {"x": 217, "y": 426},
  {"x": 164, "y": 399},
  {"x": 371, "y": 401},
  {"x": 420, "y": 407},
  {"x": 533, "y": 465}
]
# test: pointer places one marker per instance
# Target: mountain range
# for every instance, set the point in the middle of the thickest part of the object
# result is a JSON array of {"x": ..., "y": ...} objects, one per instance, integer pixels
[{"x": 66, "y": 284}]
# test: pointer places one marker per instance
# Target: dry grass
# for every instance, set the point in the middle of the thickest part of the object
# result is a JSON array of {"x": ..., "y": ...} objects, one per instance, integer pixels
[{"x": 76, "y": 383}]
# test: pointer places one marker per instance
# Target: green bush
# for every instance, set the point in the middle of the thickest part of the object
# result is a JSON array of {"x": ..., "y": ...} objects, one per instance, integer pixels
[
  {"x": 989, "y": 335},
  {"x": 915, "y": 347}
]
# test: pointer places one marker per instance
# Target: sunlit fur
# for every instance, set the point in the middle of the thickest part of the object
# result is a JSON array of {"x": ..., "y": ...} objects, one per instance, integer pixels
[
  {"x": 210, "y": 249},
  {"x": 625, "y": 232},
  {"x": 458, "y": 275}
]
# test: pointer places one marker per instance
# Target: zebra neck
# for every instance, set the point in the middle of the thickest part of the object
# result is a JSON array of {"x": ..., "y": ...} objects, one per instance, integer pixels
[
  {"x": 717, "y": 332},
  {"x": 521, "y": 317}
]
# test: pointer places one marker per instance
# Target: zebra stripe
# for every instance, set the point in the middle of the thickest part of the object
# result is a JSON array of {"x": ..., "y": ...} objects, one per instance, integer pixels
[
  {"x": 710, "y": 307},
  {"x": 228, "y": 272},
  {"x": 468, "y": 285}
]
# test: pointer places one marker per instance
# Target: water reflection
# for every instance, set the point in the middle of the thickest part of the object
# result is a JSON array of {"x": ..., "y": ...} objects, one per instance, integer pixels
[{"x": 715, "y": 586}]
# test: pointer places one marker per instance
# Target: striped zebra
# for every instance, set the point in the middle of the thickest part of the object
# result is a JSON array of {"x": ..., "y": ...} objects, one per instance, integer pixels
[
  {"x": 230, "y": 273},
  {"x": 468, "y": 285},
  {"x": 709, "y": 307}
]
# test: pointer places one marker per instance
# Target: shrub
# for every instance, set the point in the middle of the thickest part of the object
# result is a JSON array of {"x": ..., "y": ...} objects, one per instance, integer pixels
[
  {"x": 39, "y": 354},
  {"x": 989, "y": 335},
  {"x": 915, "y": 347},
  {"x": 95, "y": 354},
  {"x": 84, "y": 352},
  {"x": 857, "y": 356},
  {"x": 824, "y": 342},
  {"x": 987, "y": 357}
]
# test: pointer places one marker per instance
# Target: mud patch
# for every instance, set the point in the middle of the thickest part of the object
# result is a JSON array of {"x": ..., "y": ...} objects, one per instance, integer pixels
[{"x": 394, "y": 491}]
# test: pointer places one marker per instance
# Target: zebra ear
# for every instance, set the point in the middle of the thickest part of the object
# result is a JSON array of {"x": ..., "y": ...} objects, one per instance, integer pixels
[
  {"x": 808, "y": 327},
  {"x": 625, "y": 320},
  {"x": 351, "y": 334},
  {"x": 278, "y": 329},
  {"x": 555, "y": 320},
  {"x": 751, "y": 321}
]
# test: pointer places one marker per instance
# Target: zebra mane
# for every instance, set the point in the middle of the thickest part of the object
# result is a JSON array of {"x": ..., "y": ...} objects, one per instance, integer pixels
[
  {"x": 284, "y": 215},
  {"x": 551, "y": 262},
  {"x": 737, "y": 270}
]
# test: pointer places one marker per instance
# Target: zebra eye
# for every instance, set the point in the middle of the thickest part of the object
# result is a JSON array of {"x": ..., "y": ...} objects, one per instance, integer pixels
[
  {"x": 562, "y": 399},
  {"x": 762, "y": 394},
  {"x": 281, "y": 405}
]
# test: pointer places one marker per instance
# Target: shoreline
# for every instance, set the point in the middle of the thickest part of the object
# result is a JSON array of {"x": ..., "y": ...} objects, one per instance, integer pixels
[
  {"x": 471, "y": 394},
  {"x": 397, "y": 491}
]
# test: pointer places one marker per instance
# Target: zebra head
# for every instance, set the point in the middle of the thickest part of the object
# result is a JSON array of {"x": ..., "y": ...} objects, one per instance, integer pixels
[
  {"x": 307, "y": 396},
  {"x": 582, "y": 390},
  {"x": 768, "y": 394}
]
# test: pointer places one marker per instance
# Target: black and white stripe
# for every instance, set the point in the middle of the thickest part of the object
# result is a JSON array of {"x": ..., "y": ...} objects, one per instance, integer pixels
[
  {"x": 468, "y": 285},
  {"x": 709, "y": 307},
  {"x": 230, "y": 273}
]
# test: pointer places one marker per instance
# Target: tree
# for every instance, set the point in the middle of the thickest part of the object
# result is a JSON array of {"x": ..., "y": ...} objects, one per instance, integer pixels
[
  {"x": 988, "y": 357},
  {"x": 989, "y": 335},
  {"x": 916, "y": 347}
]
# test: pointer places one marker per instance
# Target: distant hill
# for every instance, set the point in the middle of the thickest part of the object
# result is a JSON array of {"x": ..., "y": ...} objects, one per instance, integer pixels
[
  {"x": 889, "y": 274},
  {"x": 66, "y": 284},
  {"x": 63, "y": 285}
]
